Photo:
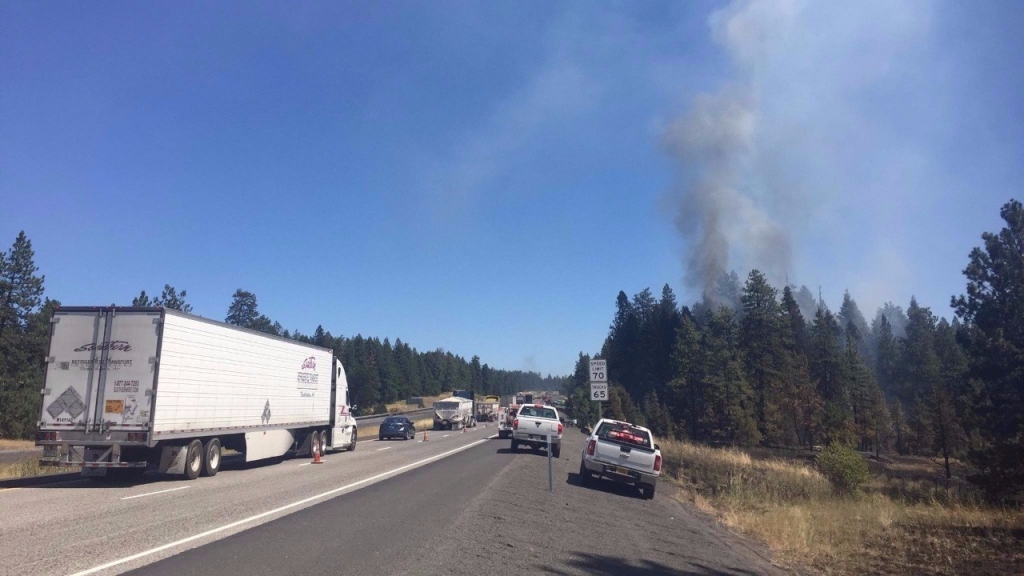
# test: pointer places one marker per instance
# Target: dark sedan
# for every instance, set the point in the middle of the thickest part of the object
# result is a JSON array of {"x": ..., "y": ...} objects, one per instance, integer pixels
[{"x": 397, "y": 427}]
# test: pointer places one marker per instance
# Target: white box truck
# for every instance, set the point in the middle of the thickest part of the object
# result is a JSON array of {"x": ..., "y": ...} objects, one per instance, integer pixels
[{"x": 141, "y": 388}]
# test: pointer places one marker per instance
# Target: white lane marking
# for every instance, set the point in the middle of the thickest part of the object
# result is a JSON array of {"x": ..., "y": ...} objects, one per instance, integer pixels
[
  {"x": 446, "y": 435},
  {"x": 154, "y": 493},
  {"x": 305, "y": 464},
  {"x": 384, "y": 448},
  {"x": 274, "y": 511}
]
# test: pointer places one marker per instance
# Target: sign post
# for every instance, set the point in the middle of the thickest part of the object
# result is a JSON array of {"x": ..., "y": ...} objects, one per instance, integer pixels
[{"x": 598, "y": 383}]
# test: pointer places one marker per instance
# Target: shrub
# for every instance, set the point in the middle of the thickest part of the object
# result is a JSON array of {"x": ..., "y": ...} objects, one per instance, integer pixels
[{"x": 843, "y": 466}]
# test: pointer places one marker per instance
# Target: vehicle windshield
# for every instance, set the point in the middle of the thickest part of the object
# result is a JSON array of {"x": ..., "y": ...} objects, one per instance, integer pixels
[
  {"x": 538, "y": 412},
  {"x": 623, "y": 433},
  {"x": 394, "y": 420}
]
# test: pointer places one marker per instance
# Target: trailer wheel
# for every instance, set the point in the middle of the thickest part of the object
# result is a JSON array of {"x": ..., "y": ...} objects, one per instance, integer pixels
[
  {"x": 193, "y": 459},
  {"x": 314, "y": 444},
  {"x": 352, "y": 446},
  {"x": 211, "y": 457}
]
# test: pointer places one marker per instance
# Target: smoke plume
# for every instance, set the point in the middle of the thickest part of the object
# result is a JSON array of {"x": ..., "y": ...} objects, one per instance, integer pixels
[
  {"x": 776, "y": 155},
  {"x": 719, "y": 215}
]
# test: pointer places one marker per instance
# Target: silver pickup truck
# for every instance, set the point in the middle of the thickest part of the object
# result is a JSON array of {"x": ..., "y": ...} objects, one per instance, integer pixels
[
  {"x": 534, "y": 424},
  {"x": 621, "y": 452}
]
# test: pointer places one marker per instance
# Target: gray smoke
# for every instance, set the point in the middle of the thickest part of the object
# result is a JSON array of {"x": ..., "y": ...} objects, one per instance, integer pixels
[{"x": 719, "y": 214}]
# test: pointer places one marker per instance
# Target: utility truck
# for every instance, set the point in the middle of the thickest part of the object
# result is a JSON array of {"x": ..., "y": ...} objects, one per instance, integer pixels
[
  {"x": 487, "y": 408},
  {"x": 453, "y": 413},
  {"x": 137, "y": 388}
]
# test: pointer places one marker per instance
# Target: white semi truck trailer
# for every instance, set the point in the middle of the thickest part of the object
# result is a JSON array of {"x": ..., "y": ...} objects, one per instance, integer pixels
[{"x": 139, "y": 388}]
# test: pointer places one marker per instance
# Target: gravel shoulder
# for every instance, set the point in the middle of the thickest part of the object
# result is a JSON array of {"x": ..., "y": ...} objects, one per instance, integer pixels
[{"x": 517, "y": 526}]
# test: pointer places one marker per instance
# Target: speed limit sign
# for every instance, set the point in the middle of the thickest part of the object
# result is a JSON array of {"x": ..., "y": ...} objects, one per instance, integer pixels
[{"x": 598, "y": 380}]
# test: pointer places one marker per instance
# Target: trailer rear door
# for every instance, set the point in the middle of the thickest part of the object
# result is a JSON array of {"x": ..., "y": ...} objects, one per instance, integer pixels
[{"x": 101, "y": 369}]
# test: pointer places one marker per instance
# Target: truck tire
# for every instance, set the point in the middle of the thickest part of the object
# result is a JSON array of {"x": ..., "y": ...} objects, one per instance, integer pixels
[
  {"x": 585, "y": 477},
  {"x": 648, "y": 491},
  {"x": 515, "y": 445},
  {"x": 314, "y": 444},
  {"x": 556, "y": 450},
  {"x": 211, "y": 457},
  {"x": 502, "y": 435},
  {"x": 352, "y": 446},
  {"x": 323, "y": 442},
  {"x": 193, "y": 459}
]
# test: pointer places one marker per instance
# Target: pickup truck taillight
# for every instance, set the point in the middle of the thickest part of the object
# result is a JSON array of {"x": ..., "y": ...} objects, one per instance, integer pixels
[
  {"x": 591, "y": 446},
  {"x": 515, "y": 424},
  {"x": 657, "y": 463},
  {"x": 559, "y": 428}
]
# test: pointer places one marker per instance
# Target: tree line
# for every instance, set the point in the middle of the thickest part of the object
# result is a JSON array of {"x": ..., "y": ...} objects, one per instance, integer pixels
[
  {"x": 378, "y": 371},
  {"x": 750, "y": 364}
]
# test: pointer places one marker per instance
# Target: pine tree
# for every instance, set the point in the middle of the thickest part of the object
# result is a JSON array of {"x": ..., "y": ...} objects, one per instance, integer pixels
[
  {"x": 20, "y": 288},
  {"x": 886, "y": 357},
  {"x": 761, "y": 341},
  {"x": 850, "y": 314},
  {"x": 993, "y": 335},
  {"x": 172, "y": 299},
  {"x": 142, "y": 299},
  {"x": 243, "y": 310}
]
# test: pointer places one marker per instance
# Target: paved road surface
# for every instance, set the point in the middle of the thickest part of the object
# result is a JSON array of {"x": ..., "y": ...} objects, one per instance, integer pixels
[
  {"x": 78, "y": 525},
  {"x": 483, "y": 511},
  {"x": 389, "y": 508}
]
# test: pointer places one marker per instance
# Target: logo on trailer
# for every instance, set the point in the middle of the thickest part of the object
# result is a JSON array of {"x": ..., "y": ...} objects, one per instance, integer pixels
[
  {"x": 309, "y": 363},
  {"x": 266, "y": 413},
  {"x": 120, "y": 345}
]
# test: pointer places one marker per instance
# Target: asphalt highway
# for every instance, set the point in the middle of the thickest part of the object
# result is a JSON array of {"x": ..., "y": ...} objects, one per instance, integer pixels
[
  {"x": 459, "y": 504},
  {"x": 485, "y": 510},
  {"x": 81, "y": 525}
]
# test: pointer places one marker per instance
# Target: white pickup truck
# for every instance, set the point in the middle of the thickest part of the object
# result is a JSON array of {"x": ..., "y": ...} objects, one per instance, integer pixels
[
  {"x": 534, "y": 424},
  {"x": 621, "y": 452}
]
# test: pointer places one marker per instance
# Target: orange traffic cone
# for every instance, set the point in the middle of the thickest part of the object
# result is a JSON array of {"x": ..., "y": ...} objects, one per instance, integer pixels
[
  {"x": 424, "y": 435},
  {"x": 316, "y": 453},
  {"x": 463, "y": 428}
]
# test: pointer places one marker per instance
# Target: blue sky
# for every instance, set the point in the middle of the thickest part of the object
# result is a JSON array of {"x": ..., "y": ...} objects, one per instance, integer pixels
[{"x": 485, "y": 177}]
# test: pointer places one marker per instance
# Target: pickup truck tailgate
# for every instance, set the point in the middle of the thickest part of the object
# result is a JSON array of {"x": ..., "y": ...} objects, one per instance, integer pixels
[{"x": 634, "y": 457}]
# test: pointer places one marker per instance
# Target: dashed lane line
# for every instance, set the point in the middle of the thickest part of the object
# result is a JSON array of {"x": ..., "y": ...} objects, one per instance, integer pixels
[{"x": 155, "y": 493}]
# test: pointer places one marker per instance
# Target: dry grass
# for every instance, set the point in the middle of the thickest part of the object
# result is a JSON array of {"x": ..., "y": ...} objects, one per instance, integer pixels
[
  {"x": 904, "y": 522},
  {"x": 6, "y": 444},
  {"x": 404, "y": 406},
  {"x": 30, "y": 467}
]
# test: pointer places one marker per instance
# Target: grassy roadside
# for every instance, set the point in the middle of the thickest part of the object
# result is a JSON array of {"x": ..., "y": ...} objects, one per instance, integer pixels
[
  {"x": 8, "y": 444},
  {"x": 30, "y": 467},
  {"x": 904, "y": 522}
]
